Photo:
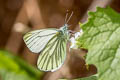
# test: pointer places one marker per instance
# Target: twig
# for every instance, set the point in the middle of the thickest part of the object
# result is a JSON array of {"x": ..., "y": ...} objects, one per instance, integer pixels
[{"x": 29, "y": 12}]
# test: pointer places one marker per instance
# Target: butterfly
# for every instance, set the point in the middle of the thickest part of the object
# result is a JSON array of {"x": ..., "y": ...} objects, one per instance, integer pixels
[{"x": 51, "y": 43}]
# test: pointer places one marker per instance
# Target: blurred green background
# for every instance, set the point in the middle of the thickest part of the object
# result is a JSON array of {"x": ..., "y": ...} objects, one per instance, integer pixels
[{"x": 13, "y": 68}]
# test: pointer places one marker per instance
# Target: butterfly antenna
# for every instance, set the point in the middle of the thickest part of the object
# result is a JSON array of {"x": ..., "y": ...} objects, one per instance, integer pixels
[
  {"x": 66, "y": 16},
  {"x": 69, "y": 17}
]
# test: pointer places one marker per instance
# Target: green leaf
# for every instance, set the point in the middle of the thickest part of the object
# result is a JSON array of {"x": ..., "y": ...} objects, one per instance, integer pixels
[
  {"x": 13, "y": 68},
  {"x": 101, "y": 36}
]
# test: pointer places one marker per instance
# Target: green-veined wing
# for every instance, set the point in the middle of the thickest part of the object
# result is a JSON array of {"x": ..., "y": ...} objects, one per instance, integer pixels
[
  {"x": 53, "y": 55},
  {"x": 36, "y": 40},
  {"x": 51, "y": 45}
]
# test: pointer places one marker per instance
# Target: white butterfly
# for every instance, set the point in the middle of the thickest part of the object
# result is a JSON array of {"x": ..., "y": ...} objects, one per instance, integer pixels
[{"x": 51, "y": 43}]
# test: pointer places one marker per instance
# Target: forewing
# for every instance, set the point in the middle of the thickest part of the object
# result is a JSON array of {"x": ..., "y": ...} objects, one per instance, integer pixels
[
  {"x": 53, "y": 55},
  {"x": 37, "y": 40}
]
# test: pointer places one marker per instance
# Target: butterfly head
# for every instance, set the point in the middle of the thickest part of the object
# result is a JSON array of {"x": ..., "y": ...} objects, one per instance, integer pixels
[
  {"x": 64, "y": 28},
  {"x": 64, "y": 31}
]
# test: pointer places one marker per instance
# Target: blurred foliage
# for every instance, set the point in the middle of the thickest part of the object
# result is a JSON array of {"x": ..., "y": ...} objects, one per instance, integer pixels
[
  {"x": 86, "y": 78},
  {"x": 13, "y": 68}
]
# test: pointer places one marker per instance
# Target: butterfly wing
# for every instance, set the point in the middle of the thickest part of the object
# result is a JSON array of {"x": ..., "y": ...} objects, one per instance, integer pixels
[
  {"x": 53, "y": 55},
  {"x": 36, "y": 40}
]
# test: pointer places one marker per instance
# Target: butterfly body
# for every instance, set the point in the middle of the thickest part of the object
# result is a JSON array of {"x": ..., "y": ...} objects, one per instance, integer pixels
[
  {"x": 64, "y": 33},
  {"x": 51, "y": 44}
]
